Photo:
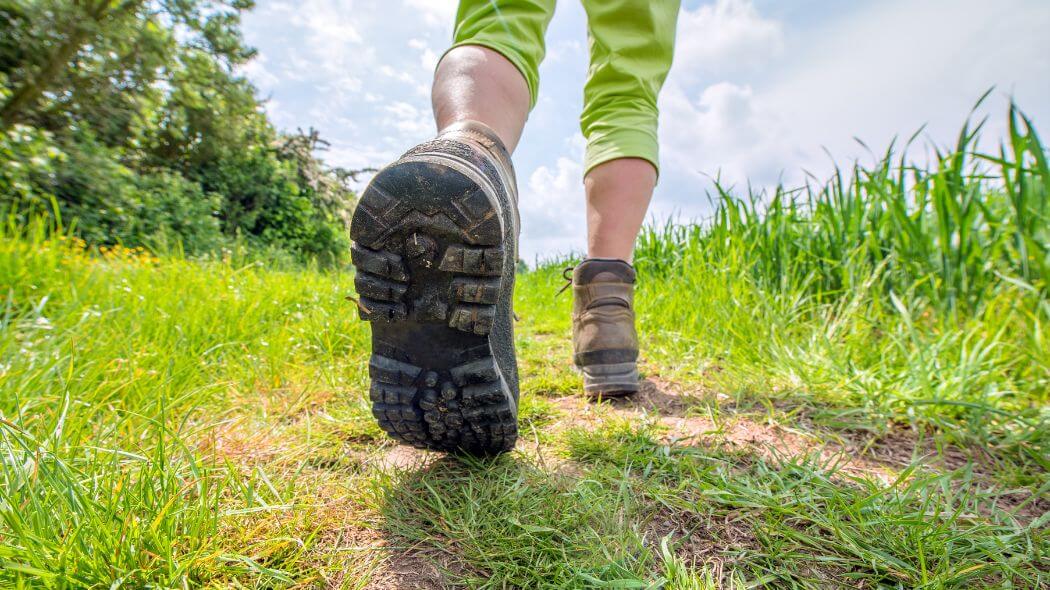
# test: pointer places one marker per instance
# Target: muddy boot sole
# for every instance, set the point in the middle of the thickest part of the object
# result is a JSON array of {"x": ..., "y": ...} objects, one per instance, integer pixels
[
  {"x": 613, "y": 380},
  {"x": 432, "y": 266}
]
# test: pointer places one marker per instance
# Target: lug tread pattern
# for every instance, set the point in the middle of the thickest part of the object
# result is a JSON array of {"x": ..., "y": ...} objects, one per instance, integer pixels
[
  {"x": 465, "y": 408},
  {"x": 383, "y": 264},
  {"x": 471, "y": 290},
  {"x": 479, "y": 219},
  {"x": 476, "y": 293},
  {"x": 393, "y": 399},
  {"x": 484, "y": 262},
  {"x": 381, "y": 283},
  {"x": 476, "y": 319},
  {"x": 373, "y": 215}
]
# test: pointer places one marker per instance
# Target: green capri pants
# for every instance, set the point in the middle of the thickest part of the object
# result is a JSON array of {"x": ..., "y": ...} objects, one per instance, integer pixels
[{"x": 631, "y": 47}]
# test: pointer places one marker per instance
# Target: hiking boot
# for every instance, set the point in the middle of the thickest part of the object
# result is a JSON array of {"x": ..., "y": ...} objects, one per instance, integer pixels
[
  {"x": 435, "y": 245},
  {"x": 603, "y": 336}
]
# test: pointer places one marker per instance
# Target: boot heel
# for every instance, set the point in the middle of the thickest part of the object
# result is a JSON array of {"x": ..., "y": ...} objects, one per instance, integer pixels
[{"x": 612, "y": 380}]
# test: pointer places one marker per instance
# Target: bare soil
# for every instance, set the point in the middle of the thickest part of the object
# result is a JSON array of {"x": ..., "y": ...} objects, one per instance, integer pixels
[{"x": 684, "y": 417}]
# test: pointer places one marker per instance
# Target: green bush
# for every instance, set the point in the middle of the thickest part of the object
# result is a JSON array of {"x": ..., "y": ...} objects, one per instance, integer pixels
[
  {"x": 257, "y": 195},
  {"x": 28, "y": 159},
  {"x": 172, "y": 209},
  {"x": 265, "y": 201},
  {"x": 105, "y": 202},
  {"x": 150, "y": 138}
]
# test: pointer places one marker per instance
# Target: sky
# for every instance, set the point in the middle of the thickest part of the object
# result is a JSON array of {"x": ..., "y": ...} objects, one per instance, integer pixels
[{"x": 761, "y": 91}]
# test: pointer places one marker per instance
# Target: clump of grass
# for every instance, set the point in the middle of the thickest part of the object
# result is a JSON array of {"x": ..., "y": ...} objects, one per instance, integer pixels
[
  {"x": 515, "y": 526},
  {"x": 925, "y": 529}
]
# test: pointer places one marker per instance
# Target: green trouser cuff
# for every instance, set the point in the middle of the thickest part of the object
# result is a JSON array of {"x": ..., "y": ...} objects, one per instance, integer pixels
[
  {"x": 622, "y": 142},
  {"x": 511, "y": 28},
  {"x": 530, "y": 75},
  {"x": 631, "y": 48}
]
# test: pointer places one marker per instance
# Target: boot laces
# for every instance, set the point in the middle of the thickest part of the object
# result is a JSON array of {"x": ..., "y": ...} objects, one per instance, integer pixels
[{"x": 567, "y": 275}]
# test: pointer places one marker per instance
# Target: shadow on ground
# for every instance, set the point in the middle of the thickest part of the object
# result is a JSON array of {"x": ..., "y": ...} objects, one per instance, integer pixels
[
  {"x": 425, "y": 512},
  {"x": 559, "y": 512}
]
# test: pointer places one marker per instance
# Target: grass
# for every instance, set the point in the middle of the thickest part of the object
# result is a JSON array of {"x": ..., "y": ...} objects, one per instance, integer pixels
[{"x": 848, "y": 387}]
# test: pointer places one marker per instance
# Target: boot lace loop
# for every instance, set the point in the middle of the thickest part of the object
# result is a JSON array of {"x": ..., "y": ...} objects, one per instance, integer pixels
[{"x": 567, "y": 275}]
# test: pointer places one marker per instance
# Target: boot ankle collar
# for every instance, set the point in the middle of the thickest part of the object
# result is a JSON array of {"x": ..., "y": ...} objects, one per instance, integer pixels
[
  {"x": 481, "y": 133},
  {"x": 603, "y": 270}
]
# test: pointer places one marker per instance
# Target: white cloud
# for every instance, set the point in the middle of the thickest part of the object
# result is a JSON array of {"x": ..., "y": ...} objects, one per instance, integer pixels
[
  {"x": 280, "y": 117},
  {"x": 552, "y": 211},
  {"x": 874, "y": 73},
  {"x": 712, "y": 121},
  {"x": 729, "y": 35},
  {"x": 413, "y": 123},
  {"x": 559, "y": 50},
  {"x": 428, "y": 58},
  {"x": 332, "y": 22},
  {"x": 851, "y": 78},
  {"x": 355, "y": 156},
  {"x": 259, "y": 74},
  {"x": 397, "y": 74},
  {"x": 725, "y": 131},
  {"x": 314, "y": 44},
  {"x": 436, "y": 13}
]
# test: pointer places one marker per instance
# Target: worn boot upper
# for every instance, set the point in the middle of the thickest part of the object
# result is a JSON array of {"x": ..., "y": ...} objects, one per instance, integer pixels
[{"x": 603, "y": 330}]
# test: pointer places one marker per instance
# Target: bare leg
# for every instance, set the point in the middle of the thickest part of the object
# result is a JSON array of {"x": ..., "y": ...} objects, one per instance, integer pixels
[
  {"x": 478, "y": 84},
  {"x": 618, "y": 195}
]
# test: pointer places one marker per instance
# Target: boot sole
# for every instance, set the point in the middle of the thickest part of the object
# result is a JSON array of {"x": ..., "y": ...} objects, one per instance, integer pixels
[
  {"x": 611, "y": 380},
  {"x": 429, "y": 249}
]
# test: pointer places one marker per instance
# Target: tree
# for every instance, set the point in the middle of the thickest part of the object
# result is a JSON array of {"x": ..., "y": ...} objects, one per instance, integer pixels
[{"x": 143, "y": 98}]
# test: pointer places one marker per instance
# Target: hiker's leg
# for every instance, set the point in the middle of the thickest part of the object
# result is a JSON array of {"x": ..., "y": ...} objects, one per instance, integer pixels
[
  {"x": 631, "y": 45},
  {"x": 491, "y": 73},
  {"x": 618, "y": 194},
  {"x": 436, "y": 244},
  {"x": 474, "y": 83}
]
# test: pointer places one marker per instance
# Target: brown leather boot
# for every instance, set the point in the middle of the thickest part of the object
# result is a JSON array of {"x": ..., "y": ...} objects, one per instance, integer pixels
[{"x": 603, "y": 335}]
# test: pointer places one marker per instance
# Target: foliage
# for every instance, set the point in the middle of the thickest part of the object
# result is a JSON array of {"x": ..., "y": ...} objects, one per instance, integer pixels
[
  {"x": 27, "y": 162},
  {"x": 163, "y": 141}
]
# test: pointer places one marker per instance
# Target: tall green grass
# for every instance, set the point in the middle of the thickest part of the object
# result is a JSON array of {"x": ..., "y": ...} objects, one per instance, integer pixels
[
  {"x": 115, "y": 369},
  {"x": 951, "y": 235}
]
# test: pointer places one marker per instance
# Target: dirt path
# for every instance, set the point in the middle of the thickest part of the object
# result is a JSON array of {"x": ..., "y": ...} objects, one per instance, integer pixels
[{"x": 355, "y": 544}]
